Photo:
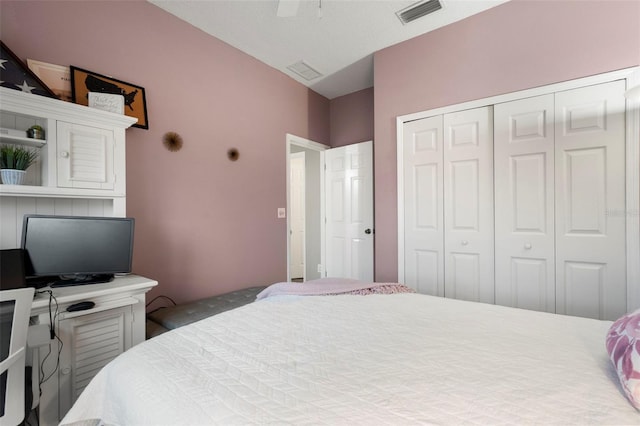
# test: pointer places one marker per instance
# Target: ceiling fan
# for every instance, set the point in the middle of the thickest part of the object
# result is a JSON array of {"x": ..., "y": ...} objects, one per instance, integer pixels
[{"x": 287, "y": 8}]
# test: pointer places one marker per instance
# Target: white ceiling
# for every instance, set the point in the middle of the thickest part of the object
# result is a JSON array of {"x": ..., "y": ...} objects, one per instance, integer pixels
[{"x": 339, "y": 44}]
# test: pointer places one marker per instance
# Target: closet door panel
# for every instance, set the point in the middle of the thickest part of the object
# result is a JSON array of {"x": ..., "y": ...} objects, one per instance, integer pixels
[
  {"x": 464, "y": 195},
  {"x": 530, "y": 287},
  {"x": 468, "y": 207},
  {"x": 590, "y": 201},
  {"x": 524, "y": 213},
  {"x": 423, "y": 192}
]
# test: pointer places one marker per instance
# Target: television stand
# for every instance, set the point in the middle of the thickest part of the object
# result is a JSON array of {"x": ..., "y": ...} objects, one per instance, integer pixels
[
  {"x": 81, "y": 280},
  {"x": 87, "y": 338}
]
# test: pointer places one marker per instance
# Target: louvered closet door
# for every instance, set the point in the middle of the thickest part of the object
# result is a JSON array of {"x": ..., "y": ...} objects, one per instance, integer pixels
[
  {"x": 468, "y": 206},
  {"x": 423, "y": 214},
  {"x": 524, "y": 203},
  {"x": 590, "y": 201}
]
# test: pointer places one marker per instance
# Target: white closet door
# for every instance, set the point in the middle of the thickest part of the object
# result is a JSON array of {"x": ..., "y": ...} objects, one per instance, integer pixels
[
  {"x": 468, "y": 207},
  {"x": 524, "y": 208},
  {"x": 423, "y": 221},
  {"x": 590, "y": 201}
]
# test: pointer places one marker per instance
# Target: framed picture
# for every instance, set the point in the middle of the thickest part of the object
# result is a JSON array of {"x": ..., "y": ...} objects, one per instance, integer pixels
[
  {"x": 56, "y": 77},
  {"x": 135, "y": 103},
  {"x": 14, "y": 74}
]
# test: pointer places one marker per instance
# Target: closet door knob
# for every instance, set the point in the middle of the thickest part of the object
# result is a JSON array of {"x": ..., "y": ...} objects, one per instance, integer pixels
[
  {"x": 64, "y": 154},
  {"x": 367, "y": 231},
  {"x": 527, "y": 246},
  {"x": 465, "y": 242}
]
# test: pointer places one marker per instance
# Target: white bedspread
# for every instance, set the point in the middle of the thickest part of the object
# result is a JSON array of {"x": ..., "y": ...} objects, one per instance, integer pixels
[{"x": 364, "y": 360}]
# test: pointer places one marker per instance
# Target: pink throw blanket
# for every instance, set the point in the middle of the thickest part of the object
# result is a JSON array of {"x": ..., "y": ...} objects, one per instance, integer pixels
[{"x": 331, "y": 286}]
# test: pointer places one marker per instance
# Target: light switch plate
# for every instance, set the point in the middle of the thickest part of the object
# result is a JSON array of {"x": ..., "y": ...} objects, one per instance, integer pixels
[{"x": 281, "y": 213}]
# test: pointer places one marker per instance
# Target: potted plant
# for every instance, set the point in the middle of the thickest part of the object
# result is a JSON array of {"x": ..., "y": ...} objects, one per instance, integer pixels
[
  {"x": 35, "y": 132},
  {"x": 14, "y": 161}
]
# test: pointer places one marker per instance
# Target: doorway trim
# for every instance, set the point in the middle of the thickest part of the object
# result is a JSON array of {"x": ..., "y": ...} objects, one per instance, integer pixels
[
  {"x": 297, "y": 214},
  {"x": 293, "y": 140}
]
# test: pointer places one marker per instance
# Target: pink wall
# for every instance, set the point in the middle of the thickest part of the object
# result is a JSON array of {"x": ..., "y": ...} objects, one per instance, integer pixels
[
  {"x": 514, "y": 46},
  {"x": 204, "y": 225},
  {"x": 351, "y": 118}
]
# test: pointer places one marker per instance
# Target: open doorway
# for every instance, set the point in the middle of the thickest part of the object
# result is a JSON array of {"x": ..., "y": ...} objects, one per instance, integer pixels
[
  {"x": 305, "y": 205},
  {"x": 297, "y": 215},
  {"x": 334, "y": 200}
]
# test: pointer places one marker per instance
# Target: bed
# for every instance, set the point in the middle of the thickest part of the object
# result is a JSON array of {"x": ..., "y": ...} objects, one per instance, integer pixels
[{"x": 358, "y": 359}]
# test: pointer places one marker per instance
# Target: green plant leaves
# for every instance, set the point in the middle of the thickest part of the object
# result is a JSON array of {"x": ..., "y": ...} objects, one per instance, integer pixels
[{"x": 17, "y": 157}]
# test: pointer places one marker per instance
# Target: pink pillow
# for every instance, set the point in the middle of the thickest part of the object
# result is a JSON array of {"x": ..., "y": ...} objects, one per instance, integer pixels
[{"x": 623, "y": 346}]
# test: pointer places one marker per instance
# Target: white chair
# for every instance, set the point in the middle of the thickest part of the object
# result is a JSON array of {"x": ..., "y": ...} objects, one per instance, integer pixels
[{"x": 15, "y": 309}]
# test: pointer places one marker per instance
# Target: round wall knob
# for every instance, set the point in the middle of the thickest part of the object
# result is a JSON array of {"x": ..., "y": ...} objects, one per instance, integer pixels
[
  {"x": 64, "y": 154},
  {"x": 465, "y": 242},
  {"x": 527, "y": 246},
  {"x": 66, "y": 370}
]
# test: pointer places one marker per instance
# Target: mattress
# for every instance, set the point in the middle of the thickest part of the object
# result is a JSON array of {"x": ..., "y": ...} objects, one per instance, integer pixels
[{"x": 360, "y": 360}]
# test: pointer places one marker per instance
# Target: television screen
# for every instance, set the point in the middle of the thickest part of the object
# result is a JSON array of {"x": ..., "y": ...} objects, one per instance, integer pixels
[{"x": 76, "y": 249}]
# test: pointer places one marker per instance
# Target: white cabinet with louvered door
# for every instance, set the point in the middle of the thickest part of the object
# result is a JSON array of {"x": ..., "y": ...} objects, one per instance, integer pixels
[
  {"x": 524, "y": 195},
  {"x": 81, "y": 167},
  {"x": 86, "y": 340},
  {"x": 89, "y": 343},
  {"x": 85, "y": 157}
]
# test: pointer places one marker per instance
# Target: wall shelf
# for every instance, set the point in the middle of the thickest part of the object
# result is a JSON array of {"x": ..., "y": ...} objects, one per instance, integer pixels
[
  {"x": 56, "y": 192},
  {"x": 22, "y": 140}
]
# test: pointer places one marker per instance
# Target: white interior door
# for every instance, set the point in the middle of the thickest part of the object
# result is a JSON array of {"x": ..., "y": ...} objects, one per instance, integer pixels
[
  {"x": 590, "y": 201},
  {"x": 297, "y": 215},
  {"x": 468, "y": 205},
  {"x": 524, "y": 195},
  {"x": 423, "y": 210},
  {"x": 349, "y": 211}
]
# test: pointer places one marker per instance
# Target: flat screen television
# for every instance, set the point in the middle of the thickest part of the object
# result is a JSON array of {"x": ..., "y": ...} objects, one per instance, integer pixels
[{"x": 74, "y": 250}]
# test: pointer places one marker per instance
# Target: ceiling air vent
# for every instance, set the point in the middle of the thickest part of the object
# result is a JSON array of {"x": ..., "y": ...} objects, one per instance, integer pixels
[
  {"x": 304, "y": 70},
  {"x": 418, "y": 10}
]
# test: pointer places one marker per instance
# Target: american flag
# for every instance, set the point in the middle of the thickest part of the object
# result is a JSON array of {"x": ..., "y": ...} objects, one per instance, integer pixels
[{"x": 15, "y": 75}]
